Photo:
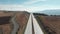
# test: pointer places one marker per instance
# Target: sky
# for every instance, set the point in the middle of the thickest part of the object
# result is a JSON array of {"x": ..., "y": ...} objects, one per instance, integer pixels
[{"x": 29, "y": 5}]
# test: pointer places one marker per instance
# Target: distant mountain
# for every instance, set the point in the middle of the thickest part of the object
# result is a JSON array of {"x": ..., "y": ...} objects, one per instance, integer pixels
[{"x": 50, "y": 12}]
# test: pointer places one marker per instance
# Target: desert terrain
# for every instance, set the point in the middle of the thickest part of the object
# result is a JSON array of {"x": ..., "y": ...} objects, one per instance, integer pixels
[
  {"x": 7, "y": 26},
  {"x": 50, "y": 24}
]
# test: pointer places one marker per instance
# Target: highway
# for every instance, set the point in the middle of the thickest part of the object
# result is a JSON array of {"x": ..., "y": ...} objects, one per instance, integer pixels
[
  {"x": 29, "y": 26},
  {"x": 37, "y": 28},
  {"x": 28, "y": 30}
]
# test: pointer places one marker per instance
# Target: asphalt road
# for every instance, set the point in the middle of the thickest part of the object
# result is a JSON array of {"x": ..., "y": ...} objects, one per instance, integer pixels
[
  {"x": 29, "y": 26},
  {"x": 37, "y": 28}
]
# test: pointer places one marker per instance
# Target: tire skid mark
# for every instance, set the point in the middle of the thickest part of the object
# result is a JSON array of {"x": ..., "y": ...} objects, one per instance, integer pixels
[{"x": 15, "y": 25}]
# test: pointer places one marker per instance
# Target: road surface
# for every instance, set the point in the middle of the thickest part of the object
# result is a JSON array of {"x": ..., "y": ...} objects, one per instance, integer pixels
[
  {"x": 29, "y": 27},
  {"x": 37, "y": 28},
  {"x": 15, "y": 25}
]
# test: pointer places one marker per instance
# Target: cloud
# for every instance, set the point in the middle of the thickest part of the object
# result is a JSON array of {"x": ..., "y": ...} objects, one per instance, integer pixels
[
  {"x": 42, "y": 8},
  {"x": 32, "y": 1},
  {"x": 29, "y": 8},
  {"x": 12, "y": 7}
]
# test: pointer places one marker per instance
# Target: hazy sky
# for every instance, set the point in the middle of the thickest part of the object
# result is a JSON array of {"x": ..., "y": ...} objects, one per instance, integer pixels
[{"x": 29, "y": 5}]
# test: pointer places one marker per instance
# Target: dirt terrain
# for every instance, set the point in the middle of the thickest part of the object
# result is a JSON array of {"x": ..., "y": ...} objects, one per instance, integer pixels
[
  {"x": 51, "y": 24},
  {"x": 22, "y": 19},
  {"x": 6, "y": 25}
]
